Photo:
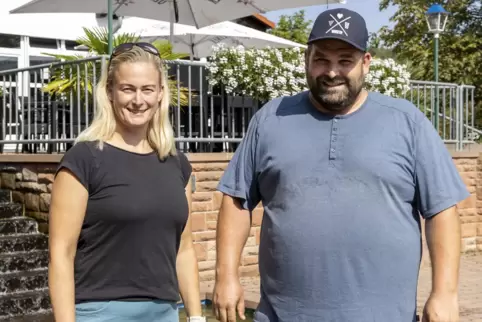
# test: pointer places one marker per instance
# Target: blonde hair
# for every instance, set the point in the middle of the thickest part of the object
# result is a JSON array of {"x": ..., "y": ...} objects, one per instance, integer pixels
[{"x": 160, "y": 133}]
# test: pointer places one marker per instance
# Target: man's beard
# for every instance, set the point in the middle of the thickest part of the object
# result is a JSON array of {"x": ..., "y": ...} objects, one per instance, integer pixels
[{"x": 337, "y": 98}]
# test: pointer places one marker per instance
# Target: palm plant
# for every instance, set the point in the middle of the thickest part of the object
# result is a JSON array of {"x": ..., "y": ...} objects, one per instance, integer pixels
[{"x": 75, "y": 78}]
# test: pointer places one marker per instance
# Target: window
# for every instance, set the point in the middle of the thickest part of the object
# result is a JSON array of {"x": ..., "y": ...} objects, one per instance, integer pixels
[
  {"x": 40, "y": 60},
  {"x": 8, "y": 62},
  {"x": 43, "y": 43},
  {"x": 70, "y": 45},
  {"x": 9, "y": 41}
]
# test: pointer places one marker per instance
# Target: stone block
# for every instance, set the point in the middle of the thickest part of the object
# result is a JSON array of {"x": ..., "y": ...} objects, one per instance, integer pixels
[
  {"x": 31, "y": 187},
  {"x": 46, "y": 178},
  {"x": 29, "y": 174},
  {"x": 8, "y": 180},
  {"x": 32, "y": 202},
  {"x": 44, "y": 202}
]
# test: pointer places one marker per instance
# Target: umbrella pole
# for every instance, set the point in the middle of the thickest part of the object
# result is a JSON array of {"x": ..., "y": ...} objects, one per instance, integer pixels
[
  {"x": 110, "y": 19},
  {"x": 171, "y": 22}
]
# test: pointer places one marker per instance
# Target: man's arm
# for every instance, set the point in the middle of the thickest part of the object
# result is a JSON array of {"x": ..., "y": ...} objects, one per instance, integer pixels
[
  {"x": 443, "y": 239},
  {"x": 442, "y": 233},
  {"x": 233, "y": 228}
]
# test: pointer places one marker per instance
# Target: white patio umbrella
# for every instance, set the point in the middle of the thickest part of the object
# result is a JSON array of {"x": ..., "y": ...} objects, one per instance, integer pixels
[
  {"x": 198, "y": 13},
  {"x": 67, "y": 26},
  {"x": 199, "y": 42}
]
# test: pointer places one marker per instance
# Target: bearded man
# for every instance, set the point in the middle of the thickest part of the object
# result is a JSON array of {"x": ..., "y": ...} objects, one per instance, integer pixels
[{"x": 344, "y": 176}]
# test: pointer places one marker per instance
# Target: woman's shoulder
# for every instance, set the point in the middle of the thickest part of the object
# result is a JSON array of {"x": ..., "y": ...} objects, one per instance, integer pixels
[
  {"x": 184, "y": 164},
  {"x": 83, "y": 149}
]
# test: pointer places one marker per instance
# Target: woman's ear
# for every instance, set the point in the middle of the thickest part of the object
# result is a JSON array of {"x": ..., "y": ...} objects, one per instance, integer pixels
[
  {"x": 108, "y": 89},
  {"x": 160, "y": 95}
]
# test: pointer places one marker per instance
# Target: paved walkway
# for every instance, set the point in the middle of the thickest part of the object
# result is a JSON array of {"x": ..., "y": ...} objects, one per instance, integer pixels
[{"x": 470, "y": 288}]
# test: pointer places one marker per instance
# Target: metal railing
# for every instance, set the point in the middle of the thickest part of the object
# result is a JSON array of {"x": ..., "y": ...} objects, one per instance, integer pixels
[
  {"x": 456, "y": 110},
  {"x": 205, "y": 119}
]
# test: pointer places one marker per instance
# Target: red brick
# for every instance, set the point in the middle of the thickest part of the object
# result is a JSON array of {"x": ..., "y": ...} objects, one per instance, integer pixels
[
  {"x": 250, "y": 260},
  {"x": 207, "y": 275},
  {"x": 211, "y": 225},
  {"x": 206, "y": 186},
  {"x": 198, "y": 222},
  {"x": 257, "y": 217},
  {"x": 208, "y": 176},
  {"x": 217, "y": 199},
  {"x": 479, "y": 229},
  {"x": 209, "y": 166},
  {"x": 204, "y": 235},
  {"x": 202, "y": 196},
  {"x": 250, "y": 270},
  {"x": 469, "y": 202},
  {"x": 469, "y": 230},
  {"x": 201, "y": 252},
  {"x": 212, "y": 216},
  {"x": 207, "y": 266},
  {"x": 202, "y": 206}
]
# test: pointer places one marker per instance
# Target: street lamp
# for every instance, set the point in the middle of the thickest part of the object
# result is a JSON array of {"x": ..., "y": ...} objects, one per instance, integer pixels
[{"x": 436, "y": 20}]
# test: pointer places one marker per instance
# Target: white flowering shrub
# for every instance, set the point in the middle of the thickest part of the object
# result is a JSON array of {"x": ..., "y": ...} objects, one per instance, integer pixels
[
  {"x": 268, "y": 73},
  {"x": 388, "y": 77},
  {"x": 260, "y": 73}
]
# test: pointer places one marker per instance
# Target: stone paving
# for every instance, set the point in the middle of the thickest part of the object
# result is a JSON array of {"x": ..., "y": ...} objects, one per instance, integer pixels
[{"x": 470, "y": 288}]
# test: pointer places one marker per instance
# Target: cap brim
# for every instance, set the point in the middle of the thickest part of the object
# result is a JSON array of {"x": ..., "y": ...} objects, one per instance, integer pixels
[{"x": 337, "y": 38}]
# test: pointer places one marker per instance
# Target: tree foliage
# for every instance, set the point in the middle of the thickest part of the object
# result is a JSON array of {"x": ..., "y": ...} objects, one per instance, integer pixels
[
  {"x": 460, "y": 46},
  {"x": 293, "y": 27}
]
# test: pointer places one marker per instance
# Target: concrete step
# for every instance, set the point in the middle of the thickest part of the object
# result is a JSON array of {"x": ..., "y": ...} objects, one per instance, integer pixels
[
  {"x": 23, "y": 243},
  {"x": 11, "y": 210},
  {"x": 23, "y": 261},
  {"x": 47, "y": 316},
  {"x": 5, "y": 196},
  {"x": 24, "y": 304},
  {"x": 23, "y": 281},
  {"x": 12, "y": 226}
]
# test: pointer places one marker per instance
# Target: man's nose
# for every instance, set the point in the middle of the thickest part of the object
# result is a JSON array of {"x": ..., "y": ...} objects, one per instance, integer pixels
[{"x": 332, "y": 73}]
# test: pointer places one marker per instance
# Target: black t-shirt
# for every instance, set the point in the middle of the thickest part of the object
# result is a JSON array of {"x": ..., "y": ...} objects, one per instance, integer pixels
[{"x": 136, "y": 212}]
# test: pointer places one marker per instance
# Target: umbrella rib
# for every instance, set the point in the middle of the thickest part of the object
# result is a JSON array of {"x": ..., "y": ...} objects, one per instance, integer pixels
[{"x": 192, "y": 13}]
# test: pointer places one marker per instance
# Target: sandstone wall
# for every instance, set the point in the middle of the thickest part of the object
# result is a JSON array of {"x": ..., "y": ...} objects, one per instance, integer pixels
[{"x": 30, "y": 177}]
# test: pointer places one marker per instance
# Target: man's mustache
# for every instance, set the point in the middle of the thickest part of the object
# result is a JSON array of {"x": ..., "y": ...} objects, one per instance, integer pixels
[{"x": 331, "y": 81}]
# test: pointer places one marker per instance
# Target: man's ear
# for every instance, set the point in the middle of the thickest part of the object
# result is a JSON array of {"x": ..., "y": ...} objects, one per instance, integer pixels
[{"x": 367, "y": 59}]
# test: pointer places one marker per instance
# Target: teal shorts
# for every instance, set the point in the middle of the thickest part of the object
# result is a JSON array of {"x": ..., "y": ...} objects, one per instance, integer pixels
[{"x": 127, "y": 311}]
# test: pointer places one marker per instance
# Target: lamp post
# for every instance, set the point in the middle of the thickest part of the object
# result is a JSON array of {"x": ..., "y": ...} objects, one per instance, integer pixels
[{"x": 436, "y": 19}]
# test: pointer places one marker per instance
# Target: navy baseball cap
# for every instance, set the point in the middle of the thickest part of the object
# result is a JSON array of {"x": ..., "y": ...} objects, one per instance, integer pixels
[{"x": 341, "y": 24}]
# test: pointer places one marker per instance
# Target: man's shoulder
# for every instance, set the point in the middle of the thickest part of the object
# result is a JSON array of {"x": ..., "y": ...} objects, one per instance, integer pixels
[
  {"x": 396, "y": 106},
  {"x": 281, "y": 106}
]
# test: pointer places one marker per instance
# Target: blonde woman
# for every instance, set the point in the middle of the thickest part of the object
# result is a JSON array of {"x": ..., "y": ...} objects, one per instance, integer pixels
[{"x": 120, "y": 236}]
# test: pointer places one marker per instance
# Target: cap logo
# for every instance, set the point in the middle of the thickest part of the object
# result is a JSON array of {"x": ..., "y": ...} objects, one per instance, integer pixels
[{"x": 343, "y": 24}]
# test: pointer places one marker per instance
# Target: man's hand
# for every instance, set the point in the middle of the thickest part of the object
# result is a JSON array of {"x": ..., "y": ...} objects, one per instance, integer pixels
[
  {"x": 228, "y": 298},
  {"x": 441, "y": 308}
]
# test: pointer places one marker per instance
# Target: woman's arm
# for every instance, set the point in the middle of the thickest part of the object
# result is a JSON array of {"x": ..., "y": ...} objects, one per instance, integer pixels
[
  {"x": 187, "y": 267},
  {"x": 67, "y": 211}
]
